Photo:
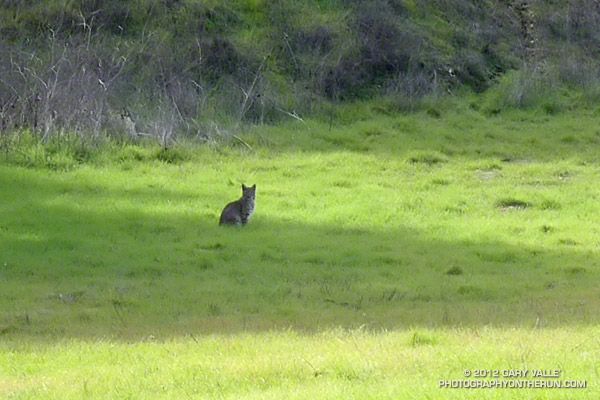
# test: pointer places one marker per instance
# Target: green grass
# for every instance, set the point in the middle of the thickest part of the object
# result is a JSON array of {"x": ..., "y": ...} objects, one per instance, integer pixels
[
  {"x": 385, "y": 254},
  {"x": 336, "y": 364}
]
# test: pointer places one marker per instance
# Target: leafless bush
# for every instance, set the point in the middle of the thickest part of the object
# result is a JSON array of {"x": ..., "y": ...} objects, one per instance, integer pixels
[
  {"x": 318, "y": 40},
  {"x": 66, "y": 88},
  {"x": 577, "y": 23},
  {"x": 86, "y": 84},
  {"x": 577, "y": 71},
  {"x": 164, "y": 125}
]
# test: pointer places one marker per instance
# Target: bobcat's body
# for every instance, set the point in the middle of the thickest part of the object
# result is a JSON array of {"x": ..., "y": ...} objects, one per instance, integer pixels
[{"x": 239, "y": 211}]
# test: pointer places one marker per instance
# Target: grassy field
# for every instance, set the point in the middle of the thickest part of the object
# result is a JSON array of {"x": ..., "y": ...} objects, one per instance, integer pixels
[{"x": 386, "y": 253}]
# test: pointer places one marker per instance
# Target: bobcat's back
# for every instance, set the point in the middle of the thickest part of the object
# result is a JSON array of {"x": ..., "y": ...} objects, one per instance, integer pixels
[{"x": 239, "y": 211}]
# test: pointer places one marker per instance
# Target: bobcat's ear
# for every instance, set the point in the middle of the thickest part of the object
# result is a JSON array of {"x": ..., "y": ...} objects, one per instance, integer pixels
[
  {"x": 254, "y": 187},
  {"x": 244, "y": 187}
]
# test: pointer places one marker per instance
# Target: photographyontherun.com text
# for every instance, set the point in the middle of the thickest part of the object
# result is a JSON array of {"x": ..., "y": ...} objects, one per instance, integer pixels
[
  {"x": 514, "y": 378},
  {"x": 511, "y": 384}
]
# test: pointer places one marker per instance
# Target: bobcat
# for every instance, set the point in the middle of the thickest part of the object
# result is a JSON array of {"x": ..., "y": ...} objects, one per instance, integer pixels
[{"x": 241, "y": 210}]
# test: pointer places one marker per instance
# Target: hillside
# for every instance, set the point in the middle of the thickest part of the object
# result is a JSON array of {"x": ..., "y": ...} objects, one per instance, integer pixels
[{"x": 163, "y": 68}]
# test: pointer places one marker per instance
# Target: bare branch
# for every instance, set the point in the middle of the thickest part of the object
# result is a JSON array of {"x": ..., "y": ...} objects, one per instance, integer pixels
[{"x": 248, "y": 93}]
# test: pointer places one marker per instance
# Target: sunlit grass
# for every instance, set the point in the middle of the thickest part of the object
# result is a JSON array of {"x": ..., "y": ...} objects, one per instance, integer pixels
[
  {"x": 385, "y": 253},
  {"x": 335, "y": 364}
]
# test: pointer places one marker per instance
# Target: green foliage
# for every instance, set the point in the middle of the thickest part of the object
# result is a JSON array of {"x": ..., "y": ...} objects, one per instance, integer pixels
[
  {"x": 510, "y": 203},
  {"x": 172, "y": 155},
  {"x": 57, "y": 153},
  {"x": 133, "y": 153},
  {"x": 420, "y": 339},
  {"x": 518, "y": 89},
  {"x": 454, "y": 271},
  {"x": 429, "y": 158}
]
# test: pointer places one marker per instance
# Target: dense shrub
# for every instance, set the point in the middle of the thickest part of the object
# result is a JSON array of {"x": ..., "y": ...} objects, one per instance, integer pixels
[{"x": 521, "y": 89}]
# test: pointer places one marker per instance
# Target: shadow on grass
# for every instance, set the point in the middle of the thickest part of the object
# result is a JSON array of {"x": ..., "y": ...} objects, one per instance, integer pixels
[{"x": 84, "y": 266}]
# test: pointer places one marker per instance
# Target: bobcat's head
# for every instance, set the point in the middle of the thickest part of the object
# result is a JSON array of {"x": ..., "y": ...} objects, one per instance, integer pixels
[{"x": 249, "y": 192}]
